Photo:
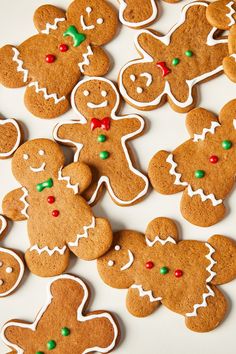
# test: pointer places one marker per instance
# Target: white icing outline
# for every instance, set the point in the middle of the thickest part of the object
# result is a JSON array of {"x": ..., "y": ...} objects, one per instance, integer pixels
[
  {"x": 203, "y": 304},
  {"x": 146, "y": 58},
  {"x": 212, "y": 262},
  {"x": 18, "y": 140},
  {"x": 23, "y": 200},
  {"x": 148, "y": 293},
  {"x": 86, "y": 60},
  {"x": 74, "y": 187},
  {"x": 150, "y": 243},
  {"x": 38, "y": 169},
  {"x": 205, "y": 131},
  {"x": 45, "y": 93},
  {"x": 143, "y": 23},
  {"x": 129, "y": 263},
  {"x": 85, "y": 234},
  {"x": 79, "y": 146},
  {"x": 3, "y": 224},
  {"x": 20, "y": 64},
  {"x": 53, "y": 26},
  {"x": 21, "y": 272},
  {"x": 231, "y": 13},
  {"x": 49, "y": 251},
  {"x": 80, "y": 318}
]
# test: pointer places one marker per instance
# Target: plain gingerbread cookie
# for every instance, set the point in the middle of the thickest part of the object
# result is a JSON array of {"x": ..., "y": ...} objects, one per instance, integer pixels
[{"x": 182, "y": 275}]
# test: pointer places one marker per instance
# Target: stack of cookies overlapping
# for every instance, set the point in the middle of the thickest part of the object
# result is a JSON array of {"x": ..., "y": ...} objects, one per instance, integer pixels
[{"x": 57, "y": 177}]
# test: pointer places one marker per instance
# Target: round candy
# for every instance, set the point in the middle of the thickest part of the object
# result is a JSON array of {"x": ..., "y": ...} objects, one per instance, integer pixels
[
  {"x": 214, "y": 159},
  {"x": 104, "y": 155},
  {"x": 51, "y": 199},
  {"x": 164, "y": 270},
  {"x": 102, "y": 138},
  {"x": 63, "y": 47},
  {"x": 175, "y": 61},
  {"x": 178, "y": 273},
  {"x": 51, "y": 344},
  {"x": 55, "y": 213},
  {"x": 39, "y": 353},
  {"x": 189, "y": 53},
  {"x": 199, "y": 174},
  {"x": 50, "y": 58},
  {"x": 149, "y": 265},
  {"x": 65, "y": 331},
  {"x": 226, "y": 144}
]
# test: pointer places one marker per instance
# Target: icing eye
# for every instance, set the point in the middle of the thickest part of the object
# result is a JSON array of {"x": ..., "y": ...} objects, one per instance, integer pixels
[
  {"x": 104, "y": 93},
  {"x": 9, "y": 270},
  {"x": 89, "y": 10},
  {"x": 41, "y": 152},
  {"x": 100, "y": 21},
  {"x": 139, "y": 90},
  {"x": 86, "y": 93},
  {"x": 110, "y": 263},
  {"x": 132, "y": 78},
  {"x": 1, "y": 282},
  {"x": 117, "y": 248},
  {"x": 26, "y": 157}
]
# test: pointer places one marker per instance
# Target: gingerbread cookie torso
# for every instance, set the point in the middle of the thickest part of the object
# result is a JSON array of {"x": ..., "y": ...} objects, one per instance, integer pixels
[
  {"x": 172, "y": 65},
  {"x": 203, "y": 167},
  {"x": 100, "y": 137},
  {"x": 59, "y": 219},
  {"x": 61, "y": 325},
  {"x": 10, "y": 137},
  {"x": 50, "y": 63},
  {"x": 182, "y": 275}
]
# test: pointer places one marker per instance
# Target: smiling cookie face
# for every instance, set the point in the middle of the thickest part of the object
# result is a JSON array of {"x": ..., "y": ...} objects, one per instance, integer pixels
[{"x": 37, "y": 160}]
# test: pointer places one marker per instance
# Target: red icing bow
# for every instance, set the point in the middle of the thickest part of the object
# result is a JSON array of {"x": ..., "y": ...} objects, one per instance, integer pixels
[
  {"x": 104, "y": 123},
  {"x": 164, "y": 68}
]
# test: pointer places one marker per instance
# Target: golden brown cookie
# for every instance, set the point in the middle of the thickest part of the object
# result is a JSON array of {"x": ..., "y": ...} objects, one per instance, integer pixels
[
  {"x": 59, "y": 219},
  {"x": 182, "y": 275},
  {"x": 10, "y": 137},
  {"x": 62, "y": 326},
  {"x": 203, "y": 167},
  {"x": 171, "y": 66},
  {"x": 222, "y": 14},
  {"x": 101, "y": 137},
  {"x": 51, "y": 62},
  {"x": 229, "y": 62}
]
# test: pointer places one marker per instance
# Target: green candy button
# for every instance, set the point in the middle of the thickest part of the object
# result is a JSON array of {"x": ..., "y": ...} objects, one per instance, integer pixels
[
  {"x": 226, "y": 144},
  {"x": 65, "y": 332},
  {"x": 199, "y": 174},
  {"x": 39, "y": 353},
  {"x": 102, "y": 138},
  {"x": 104, "y": 155},
  {"x": 51, "y": 344},
  {"x": 175, "y": 61},
  {"x": 189, "y": 53},
  {"x": 164, "y": 270}
]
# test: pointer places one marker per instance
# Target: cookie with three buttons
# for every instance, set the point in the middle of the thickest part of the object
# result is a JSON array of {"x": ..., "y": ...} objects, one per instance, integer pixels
[
  {"x": 158, "y": 268},
  {"x": 59, "y": 219},
  {"x": 100, "y": 137}
]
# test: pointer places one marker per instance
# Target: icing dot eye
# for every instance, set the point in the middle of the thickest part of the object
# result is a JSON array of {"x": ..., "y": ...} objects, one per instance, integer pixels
[
  {"x": 41, "y": 152},
  {"x": 110, "y": 263},
  {"x": 226, "y": 144},
  {"x": 51, "y": 344},
  {"x": 9, "y": 270},
  {"x": 104, "y": 93},
  {"x": 175, "y": 61},
  {"x": 199, "y": 174},
  {"x": 86, "y": 93},
  {"x": 189, "y": 53},
  {"x": 164, "y": 270},
  {"x": 132, "y": 78},
  {"x": 178, "y": 273},
  {"x": 65, "y": 332},
  {"x": 1, "y": 282},
  {"x": 100, "y": 21},
  {"x": 88, "y": 10},
  {"x": 117, "y": 248},
  {"x": 26, "y": 157},
  {"x": 139, "y": 90}
]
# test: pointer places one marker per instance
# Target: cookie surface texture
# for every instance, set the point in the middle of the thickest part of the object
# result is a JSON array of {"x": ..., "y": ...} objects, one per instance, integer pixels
[
  {"x": 229, "y": 62},
  {"x": 222, "y": 14},
  {"x": 59, "y": 219},
  {"x": 50, "y": 63},
  {"x": 10, "y": 137},
  {"x": 171, "y": 66},
  {"x": 101, "y": 137},
  {"x": 157, "y": 268},
  {"x": 61, "y": 326}
]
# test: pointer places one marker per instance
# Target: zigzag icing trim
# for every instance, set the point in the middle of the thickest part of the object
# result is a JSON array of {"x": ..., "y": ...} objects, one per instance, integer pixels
[
  {"x": 20, "y": 64},
  {"x": 84, "y": 235},
  {"x": 49, "y": 251},
  {"x": 169, "y": 239},
  {"x": 45, "y": 93},
  {"x": 148, "y": 293},
  {"x": 86, "y": 60},
  {"x": 170, "y": 160},
  {"x": 53, "y": 26},
  {"x": 231, "y": 13},
  {"x": 23, "y": 200},
  {"x": 212, "y": 262},
  {"x": 75, "y": 187},
  {"x": 203, "y": 304},
  {"x": 204, "y": 196},
  {"x": 205, "y": 131}
]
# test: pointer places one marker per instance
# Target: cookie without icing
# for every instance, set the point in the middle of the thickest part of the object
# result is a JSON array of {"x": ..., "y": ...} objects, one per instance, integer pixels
[
  {"x": 170, "y": 66},
  {"x": 203, "y": 167},
  {"x": 51, "y": 63},
  {"x": 100, "y": 137},
  {"x": 182, "y": 275},
  {"x": 10, "y": 137},
  {"x": 61, "y": 325},
  {"x": 222, "y": 14},
  {"x": 59, "y": 219}
]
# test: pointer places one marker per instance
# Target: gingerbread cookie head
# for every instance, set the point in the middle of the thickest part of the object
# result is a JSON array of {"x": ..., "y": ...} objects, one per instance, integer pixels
[
  {"x": 10, "y": 137},
  {"x": 222, "y": 14},
  {"x": 61, "y": 326},
  {"x": 173, "y": 64}
]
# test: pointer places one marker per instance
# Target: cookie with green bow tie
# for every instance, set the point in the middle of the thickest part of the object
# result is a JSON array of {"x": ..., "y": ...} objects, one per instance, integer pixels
[
  {"x": 50, "y": 63},
  {"x": 59, "y": 219}
]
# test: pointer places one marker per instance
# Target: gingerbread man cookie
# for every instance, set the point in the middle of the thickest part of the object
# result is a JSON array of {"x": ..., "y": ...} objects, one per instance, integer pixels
[
  {"x": 173, "y": 64},
  {"x": 203, "y": 167},
  {"x": 100, "y": 137},
  {"x": 11, "y": 266},
  {"x": 51, "y": 62},
  {"x": 222, "y": 14},
  {"x": 61, "y": 325},
  {"x": 182, "y": 275},
  {"x": 10, "y": 137},
  {"x": 59, "y": 219}
]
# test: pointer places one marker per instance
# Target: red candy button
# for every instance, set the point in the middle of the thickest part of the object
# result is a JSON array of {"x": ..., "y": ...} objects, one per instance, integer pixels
[
  {"x": 214, "y": 159},
  {"x": 149, "y": 265},
  {"x": 178, "y": 273},
  {"x": 55, "y": 213},
  {"x": 63, "y": 47},
  {"x": 51, "y": 199},
  {"x": 50, "y": 58}
]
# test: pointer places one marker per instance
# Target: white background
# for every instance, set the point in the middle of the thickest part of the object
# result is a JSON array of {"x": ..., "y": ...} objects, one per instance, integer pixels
[{"x": 163, "y": 332}]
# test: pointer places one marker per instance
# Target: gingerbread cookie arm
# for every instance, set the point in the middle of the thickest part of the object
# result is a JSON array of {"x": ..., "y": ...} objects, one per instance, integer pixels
[
  {"x": 76, "y": 176},
  {"x": 200, "y": 122},
  {"x": 47, "y": 18},
  {"x": 95, "y": 62},
  {"x": 162, "y": 231},
  {"x": 16, "y": 335},
  {"x": 227, "y": 116},
  {"x": 229, "y": 62},
  {"x": 141, "y": 303},
  {"x": 66, "y": 134},
  {"x": 222, "y": 14},
  {"x": 15, "y": 205},
  {"x": 131, "y": 124}
]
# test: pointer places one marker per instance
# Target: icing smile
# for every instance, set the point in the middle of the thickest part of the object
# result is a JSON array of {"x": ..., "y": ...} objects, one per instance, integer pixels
[
  {"x": 38, "y": 169},
  {"x": 129, "y": 264},
  {"x": 100, "y": 105},
  {"x": 83, "y": 24}
]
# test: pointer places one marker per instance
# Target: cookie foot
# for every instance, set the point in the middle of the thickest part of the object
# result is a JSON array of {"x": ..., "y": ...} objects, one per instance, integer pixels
[{"x": 140, "y": 306}]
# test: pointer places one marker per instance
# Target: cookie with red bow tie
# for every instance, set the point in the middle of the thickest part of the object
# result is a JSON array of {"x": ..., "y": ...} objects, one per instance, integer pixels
[
  {"x": 100, "y": 137},
  {"x": 59, "y": 219},
  {"x": 68, "y": 45}
]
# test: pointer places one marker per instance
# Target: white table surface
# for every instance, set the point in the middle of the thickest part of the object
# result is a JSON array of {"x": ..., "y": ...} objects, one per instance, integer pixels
[{"x": 163, "y": 332}]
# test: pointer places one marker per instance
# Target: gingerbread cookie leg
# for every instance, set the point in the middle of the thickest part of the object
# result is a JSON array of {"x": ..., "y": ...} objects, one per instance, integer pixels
[
  {"x": 140, "y": 303},
  {"x": 207, "y": 315},
  {"x": 200, "y": 209},
  {"x": 94, "y": 241}
]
